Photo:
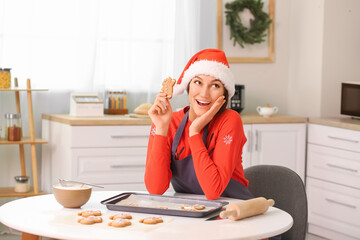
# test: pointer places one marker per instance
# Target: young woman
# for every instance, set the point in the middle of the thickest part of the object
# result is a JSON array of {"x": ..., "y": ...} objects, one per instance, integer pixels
[{"x": 198, "y": 149}]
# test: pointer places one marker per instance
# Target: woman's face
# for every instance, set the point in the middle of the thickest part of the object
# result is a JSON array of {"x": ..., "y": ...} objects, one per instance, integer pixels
[{"x": 203, "y": 92}]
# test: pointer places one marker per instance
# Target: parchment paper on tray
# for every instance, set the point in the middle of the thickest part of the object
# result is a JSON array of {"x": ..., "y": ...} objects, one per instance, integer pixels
[{"x": 158, "y": 204}]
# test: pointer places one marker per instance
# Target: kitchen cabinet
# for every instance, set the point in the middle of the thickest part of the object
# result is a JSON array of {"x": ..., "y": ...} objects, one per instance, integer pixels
[
  {"x": 276, "y": 144},
  {"x": 31, "y": 140},
  {"x": 333, "y": 181},
  {"x": 92, "y": 151},
  {"x": 111, "y": 150}
]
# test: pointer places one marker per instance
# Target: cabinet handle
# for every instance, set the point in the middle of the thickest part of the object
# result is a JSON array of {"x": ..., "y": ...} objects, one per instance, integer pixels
[
  {"x": 257, "y": 141},
  {"x": 340, "y": 203},
  {"x": 342, "y": 168},
  {"x": 250, "y": 141},
  {"x": 127, "y": 166},
  {"x": 343, "y": 139},
  {"x": 126, "y": 136}
]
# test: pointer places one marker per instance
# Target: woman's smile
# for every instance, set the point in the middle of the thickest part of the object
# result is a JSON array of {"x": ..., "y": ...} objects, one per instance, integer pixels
[{"x": 202, "y": 103}]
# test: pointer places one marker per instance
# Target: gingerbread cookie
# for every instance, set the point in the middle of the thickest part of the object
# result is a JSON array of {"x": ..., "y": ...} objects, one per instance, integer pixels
[
  {"x": 162, "y": 207},
  {"x": 121, "y": 216},
  {"x": 195, "y": 207},
  {"x": 119, "y": 223},
  {"x": 131, "y": 204},
  {"x": 167, "y": 88},
  {"x": 90, "y": 220},
  {"x": 88, "y": 213},
  {"x": 151, "y": 220},
  {"x": 199, "y": 207}
]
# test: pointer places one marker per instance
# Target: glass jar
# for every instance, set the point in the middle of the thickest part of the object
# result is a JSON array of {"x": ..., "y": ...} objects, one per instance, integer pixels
[
  {"x": 5, "y": 78},
  {"x": 13, "y": 131},
  {"x": 22, "y": 184}
]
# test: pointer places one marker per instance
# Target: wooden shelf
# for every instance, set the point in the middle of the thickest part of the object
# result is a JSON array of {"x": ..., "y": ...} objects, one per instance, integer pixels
[
  {"x": 20, "y": 89},
  {"x": 32, "y": 141},
  {"x": 24, "y": 140},
  {"x": 9, "y": 192}
]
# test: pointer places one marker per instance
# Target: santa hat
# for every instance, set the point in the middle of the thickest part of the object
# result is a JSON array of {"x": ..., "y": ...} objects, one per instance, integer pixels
[{"x": 210, "y": 62}]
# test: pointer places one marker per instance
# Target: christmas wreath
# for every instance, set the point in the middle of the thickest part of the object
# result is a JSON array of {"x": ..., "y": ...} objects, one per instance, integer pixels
[{"x": 258, "y": 25}]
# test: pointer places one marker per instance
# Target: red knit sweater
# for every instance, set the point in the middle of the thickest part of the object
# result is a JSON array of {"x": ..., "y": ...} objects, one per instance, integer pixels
[{"x": 213, "y": 166}]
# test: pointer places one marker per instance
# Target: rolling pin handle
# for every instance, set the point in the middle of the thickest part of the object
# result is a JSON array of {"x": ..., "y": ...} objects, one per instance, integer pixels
[
  {"x": 227, "y": 214},
  {"x": 271, "y": 202}
]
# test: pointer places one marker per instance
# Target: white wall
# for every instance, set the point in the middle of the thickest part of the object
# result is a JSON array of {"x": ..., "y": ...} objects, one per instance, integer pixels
[
  {"x": 266, "y": 83},
  {"x": 306, "y": 48},
  {"x": 341, "y": 51}
]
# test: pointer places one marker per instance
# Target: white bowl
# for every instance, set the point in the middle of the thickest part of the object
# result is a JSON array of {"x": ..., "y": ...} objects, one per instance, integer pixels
[{"x": 267, "y": 111}]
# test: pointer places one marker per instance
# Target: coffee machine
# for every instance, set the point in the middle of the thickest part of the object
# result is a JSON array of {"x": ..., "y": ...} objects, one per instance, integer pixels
[{"x": 237, "y": 101}]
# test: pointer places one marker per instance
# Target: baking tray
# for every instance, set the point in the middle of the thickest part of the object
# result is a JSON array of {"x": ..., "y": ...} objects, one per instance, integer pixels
[{"x": 212, "y": 206}]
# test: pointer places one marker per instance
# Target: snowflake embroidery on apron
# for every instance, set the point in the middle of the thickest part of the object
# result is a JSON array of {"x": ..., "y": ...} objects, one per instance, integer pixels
[
  {"x": 153, "y": 130},
  {"x": 227, "y": 139}
]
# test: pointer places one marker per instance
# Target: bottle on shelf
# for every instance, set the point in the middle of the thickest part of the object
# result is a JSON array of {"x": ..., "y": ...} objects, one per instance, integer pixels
[
  {"x": 13, "y": 130},
  {"x": 5, "y": 78},
  {"x": 22, "y": 184}
]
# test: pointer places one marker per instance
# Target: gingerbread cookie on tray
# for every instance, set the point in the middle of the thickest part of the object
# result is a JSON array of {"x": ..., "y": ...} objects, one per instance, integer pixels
[{"x": 194, "y": 208}]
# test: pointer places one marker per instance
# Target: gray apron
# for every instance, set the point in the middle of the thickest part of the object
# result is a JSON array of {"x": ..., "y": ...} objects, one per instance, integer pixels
[{"x": 184, "y": 178}]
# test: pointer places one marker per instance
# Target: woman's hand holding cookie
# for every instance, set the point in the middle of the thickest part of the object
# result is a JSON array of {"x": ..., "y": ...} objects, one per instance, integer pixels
[
  {"x": 200, "y": 122},
  {"x": 160, "y": 114}
]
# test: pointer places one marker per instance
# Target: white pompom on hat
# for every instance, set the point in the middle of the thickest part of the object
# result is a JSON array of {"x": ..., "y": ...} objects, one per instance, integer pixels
[{"x": 210, "y": 62}]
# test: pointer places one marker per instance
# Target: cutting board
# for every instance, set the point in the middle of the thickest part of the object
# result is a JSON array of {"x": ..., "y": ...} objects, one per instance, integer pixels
[{"x": 134, "y": 115}]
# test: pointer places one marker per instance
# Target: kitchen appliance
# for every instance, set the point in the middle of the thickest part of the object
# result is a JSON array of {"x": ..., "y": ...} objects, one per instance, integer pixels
[
  {"x": 86, "y": 105},
  {"x": 350, "y": 99},
  {"x": 237, "y": 101}
]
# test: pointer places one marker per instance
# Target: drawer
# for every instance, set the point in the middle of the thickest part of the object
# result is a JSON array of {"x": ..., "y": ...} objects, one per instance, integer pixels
[
  {"x": 334, "y": 137},
  {"x": 334, "y": 165},
  {"x": 110, "y": 136},
  {"x": 109, "y": 165},
  {"x": 334, "y": 207}
]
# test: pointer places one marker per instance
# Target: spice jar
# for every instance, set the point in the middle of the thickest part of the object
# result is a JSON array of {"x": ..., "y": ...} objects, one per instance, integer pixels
[
  {"x": 13, "y": 131},
  {"x": 5, "y": 78},
  {"x": 22, "y": 184},
  {"x": 115, "y": 100}
]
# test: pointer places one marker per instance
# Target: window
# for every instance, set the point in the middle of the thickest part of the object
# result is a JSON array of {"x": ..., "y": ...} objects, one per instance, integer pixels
[{"x": 89, "y": 44}]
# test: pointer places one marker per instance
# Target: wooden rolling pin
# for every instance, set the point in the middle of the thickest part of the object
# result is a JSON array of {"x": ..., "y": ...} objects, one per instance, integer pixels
[{"x": 248, "y": 208}]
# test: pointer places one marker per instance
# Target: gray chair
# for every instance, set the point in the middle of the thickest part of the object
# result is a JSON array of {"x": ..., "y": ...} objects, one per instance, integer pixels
[{"x": 287, "y": 189}]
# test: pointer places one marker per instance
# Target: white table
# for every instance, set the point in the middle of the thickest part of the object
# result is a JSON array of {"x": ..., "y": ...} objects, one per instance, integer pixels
[{"x": 43, "y": 216}]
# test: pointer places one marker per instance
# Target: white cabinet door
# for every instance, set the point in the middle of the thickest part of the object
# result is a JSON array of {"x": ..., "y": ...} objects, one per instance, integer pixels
[
  {"x": 276, "y": 144},
  {"x": 246, "y": 153}
]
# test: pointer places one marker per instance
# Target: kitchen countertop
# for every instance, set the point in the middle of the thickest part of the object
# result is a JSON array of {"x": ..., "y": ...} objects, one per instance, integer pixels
[
  {"x": 97, "y": 121},
  {"x": 254, "y": 117},
  {"x": 345, "y": 122},
  {"x": 247, "y": 118}
]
